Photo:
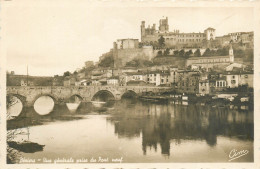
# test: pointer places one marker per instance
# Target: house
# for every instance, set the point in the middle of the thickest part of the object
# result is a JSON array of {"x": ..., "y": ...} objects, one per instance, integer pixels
[
  {"x": 135, "y": 76},
  {"x": 113, "y": 81},
  {"x": 188, "y": 81},
  {"x": 174, "y": 76},
  {"x": 69, "y": 81},
  {"x": 239, "y": 78},
  {"x": 26, "y": 83},
  {"x": 218, "y": 84},
  {"x": 57, "y": 81},
  {"x": 204, "y": 87},
  {"x": 165, "y": 78},
  {"x": 151, "y": 77},
  {"x": 234, "y": 65},
  {"x": 246, "y": 78}
]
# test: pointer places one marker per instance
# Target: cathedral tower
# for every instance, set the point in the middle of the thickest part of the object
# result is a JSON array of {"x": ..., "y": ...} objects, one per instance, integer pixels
[
  {"x": 163, "y": 25},
  {"x": 142, "y": 30}
]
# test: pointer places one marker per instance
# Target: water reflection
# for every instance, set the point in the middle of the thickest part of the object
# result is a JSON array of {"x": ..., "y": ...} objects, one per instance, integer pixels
[
  {"x": 163, "y": 123},
  {"x": 142, "y": 131},
  {"x": 44, "y": 105},
  {"x": 14, "y": 107}
]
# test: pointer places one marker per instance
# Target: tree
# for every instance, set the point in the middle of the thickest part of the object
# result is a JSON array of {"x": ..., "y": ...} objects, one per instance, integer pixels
[
  {"x": 188, "y": 54},
  {"x": 75, "y": 73},
  {"x": 147, "y": 63},
  {"x": 222, "y": 51},
  {"x": 67, "y": 73},
  {"x": 161, "y": 41},
  {"x": 159, "y": 53},
  {"x": 197, "y": 53},
  {"x": 207, "y": 52},
  {"x": 107, "y": 62},
  {"x": 167, "y": 52},
  {"x": 131, "y": 63},
  {"x": 176, "y": 53},
  {"x": 181, "y": 53}
]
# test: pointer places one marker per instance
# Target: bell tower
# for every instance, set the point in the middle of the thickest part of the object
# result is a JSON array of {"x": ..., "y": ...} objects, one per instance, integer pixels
[{"x": 231, "y": 54}]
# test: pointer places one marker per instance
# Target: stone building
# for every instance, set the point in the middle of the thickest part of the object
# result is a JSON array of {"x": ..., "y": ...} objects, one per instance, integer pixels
[
  {"x": 130, "y": 51},
  {"x": 204, "y": 87},
  {"x": 126, "y": 43},
  {"x": 235, "y": 79},
  {"x": 211, "y": 61},
  {"x": 174, "y": 39},
  {"x": 188, "y": 82},
  {"x": 244, "y": 38}
]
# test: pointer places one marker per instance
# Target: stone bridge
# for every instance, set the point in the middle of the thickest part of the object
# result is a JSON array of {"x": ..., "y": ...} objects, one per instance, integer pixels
[{"x": 60, "y": 94}]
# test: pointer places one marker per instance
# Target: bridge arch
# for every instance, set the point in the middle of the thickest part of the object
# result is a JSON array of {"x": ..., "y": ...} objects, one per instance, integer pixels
[
  {"x": 44, "y": 106},
  {"x": 15, "y": 104},
  {"x": 20, "y": 97},
  {"x": 55, "y": 98},
  {"x": 100, "y": 92},
  {"x": 75, "y": 98},
  {"x": 129, "y": 93}
]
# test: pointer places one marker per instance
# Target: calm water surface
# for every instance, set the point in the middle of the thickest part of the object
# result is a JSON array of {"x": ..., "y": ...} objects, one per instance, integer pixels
[{"x": 144, "y": 132}]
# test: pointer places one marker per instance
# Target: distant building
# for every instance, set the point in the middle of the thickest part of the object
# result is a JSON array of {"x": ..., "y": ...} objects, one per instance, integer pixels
[
  {"x": 236, "y": 79},
  {"x": 126, "y": 43},
  {"x": 150, "y": 35},
  {"x": 244, "y": 38},
  {"x": 211, "y": 61},
  {"x": 138, "y": 76},
  {"x": 128, "y": 53},
  {"x": 69, "y": 81},
  {"x": 217, "y": 84},
  {"x": 188, "y": 82},
  {"x": 204, "y": 87},
  {"x": 113, "y": 81},
  {"x": 26, "y": 83},
  {"x": 21, "y": 80},
  {"x": 234, "y": 65}
]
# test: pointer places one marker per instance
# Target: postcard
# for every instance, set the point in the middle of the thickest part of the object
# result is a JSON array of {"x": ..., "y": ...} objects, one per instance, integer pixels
[{"x": 129, "y": 84}]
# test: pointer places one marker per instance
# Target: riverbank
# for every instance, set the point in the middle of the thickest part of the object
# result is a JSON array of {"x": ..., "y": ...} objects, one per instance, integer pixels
[{"x": 213, "y": 99}]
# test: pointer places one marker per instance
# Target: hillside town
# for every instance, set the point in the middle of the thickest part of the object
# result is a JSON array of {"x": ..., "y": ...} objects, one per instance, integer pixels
[{"x": 191, "y": 63}]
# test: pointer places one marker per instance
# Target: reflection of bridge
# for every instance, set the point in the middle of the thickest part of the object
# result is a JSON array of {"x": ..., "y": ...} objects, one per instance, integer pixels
[{"x": 28, "y": 95}]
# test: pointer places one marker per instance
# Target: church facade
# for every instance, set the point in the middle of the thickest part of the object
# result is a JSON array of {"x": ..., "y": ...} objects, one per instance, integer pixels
[{"x": 211, "y": 61}]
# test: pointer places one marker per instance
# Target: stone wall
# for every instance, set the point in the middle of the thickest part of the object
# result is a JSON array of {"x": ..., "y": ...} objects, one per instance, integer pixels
[
  {"x": 174, "y": 61},
  {"x": 122, "y": 56}
]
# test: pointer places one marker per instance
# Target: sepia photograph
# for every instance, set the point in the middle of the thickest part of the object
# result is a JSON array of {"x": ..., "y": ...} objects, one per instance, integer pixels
[{"x": 89, "y": 83}]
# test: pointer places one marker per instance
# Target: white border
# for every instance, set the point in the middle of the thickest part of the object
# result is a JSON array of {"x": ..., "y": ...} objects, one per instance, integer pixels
[{"x": 141, "y": 3}]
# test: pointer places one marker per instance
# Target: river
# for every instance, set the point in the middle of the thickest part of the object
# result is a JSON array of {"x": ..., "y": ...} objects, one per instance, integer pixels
[{"x": 139, "y": 131}]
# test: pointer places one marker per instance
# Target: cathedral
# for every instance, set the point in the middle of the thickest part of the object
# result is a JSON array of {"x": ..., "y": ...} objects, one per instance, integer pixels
[{"x": 174, "y": 39}]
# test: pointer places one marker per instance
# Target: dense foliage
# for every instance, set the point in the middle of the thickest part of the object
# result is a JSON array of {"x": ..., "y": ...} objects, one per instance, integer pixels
[{"x": 107, "y": 62}]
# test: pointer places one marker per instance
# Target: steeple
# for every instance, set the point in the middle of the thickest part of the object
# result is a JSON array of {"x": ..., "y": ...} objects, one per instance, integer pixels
[{"x": 231, "y": 54}]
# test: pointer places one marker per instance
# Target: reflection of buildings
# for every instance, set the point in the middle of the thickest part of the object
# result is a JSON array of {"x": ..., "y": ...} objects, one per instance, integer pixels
[{"x": 160, "y": 124}]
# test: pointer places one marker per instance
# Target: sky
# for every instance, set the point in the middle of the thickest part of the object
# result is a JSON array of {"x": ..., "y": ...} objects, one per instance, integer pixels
[{"x": 55, "y": 39}]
